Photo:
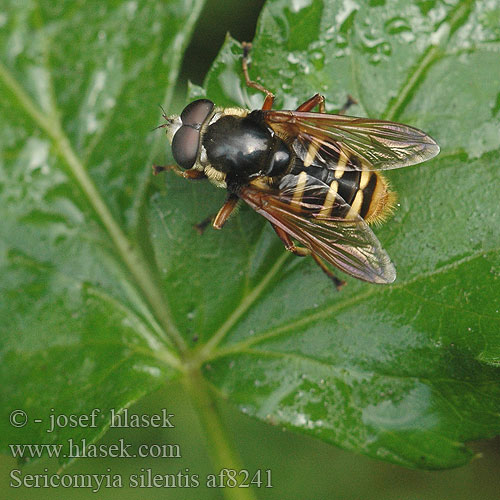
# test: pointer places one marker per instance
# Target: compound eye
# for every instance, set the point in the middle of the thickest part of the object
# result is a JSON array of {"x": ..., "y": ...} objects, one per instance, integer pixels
[
  {"x": 194, "y": 114},
  {"x": 185, "y": 146}
]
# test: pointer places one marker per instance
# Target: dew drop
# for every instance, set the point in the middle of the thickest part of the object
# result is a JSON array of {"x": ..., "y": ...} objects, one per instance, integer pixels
[
  {"x": 318, "y": 60},
  {"x": 298, "y": 5}
]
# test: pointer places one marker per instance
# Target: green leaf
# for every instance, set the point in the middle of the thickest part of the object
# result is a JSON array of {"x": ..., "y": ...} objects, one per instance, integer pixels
[
  {"x": 83, "y": 318},
  {"x": 108, "y": 292}
]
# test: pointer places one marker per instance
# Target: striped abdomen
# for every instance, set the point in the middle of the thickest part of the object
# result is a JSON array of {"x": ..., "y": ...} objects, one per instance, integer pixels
[{"x": 365, "y": 192}]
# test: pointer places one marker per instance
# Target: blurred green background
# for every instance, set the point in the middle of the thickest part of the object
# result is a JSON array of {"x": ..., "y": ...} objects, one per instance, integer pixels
[{"x": 302, "y": 468}]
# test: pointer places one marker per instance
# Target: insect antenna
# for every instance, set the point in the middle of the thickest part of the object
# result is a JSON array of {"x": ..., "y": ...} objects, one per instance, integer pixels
[
  {"x": 164, "y": 113},
  {"x": 165, "y": 117}
]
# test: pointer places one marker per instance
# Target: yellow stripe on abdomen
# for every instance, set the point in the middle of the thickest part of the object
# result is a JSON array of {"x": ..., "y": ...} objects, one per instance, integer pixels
[
  {"x": 312, "y": 151},
  {"x": 330, "y": 198},
  {"x": 341, "y": 164},
  {"x": 365, "y": 178},
  {"x": 299, "y": 189},
  {"x": 355, "y": 209}
]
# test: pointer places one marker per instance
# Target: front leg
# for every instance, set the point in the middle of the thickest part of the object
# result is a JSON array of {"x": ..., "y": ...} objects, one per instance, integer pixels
[{"x": 187, "y": 174}]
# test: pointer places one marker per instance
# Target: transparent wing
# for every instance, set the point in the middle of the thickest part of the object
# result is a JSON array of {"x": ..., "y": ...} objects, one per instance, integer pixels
[
  {"x": 347, "y": 243},
  {"x": 355, "y": 143}
]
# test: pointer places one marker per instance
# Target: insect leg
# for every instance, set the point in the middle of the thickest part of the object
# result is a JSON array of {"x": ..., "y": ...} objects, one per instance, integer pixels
[
  {"x": 315, "y": 100},
  {"x": 268, "y": 101},
  {"x": 302, "y": 252},
  {"x": 350, "y": 101},
  {"x": 319, "y": 100},
  {"x": 187, "y": 174},
  {"x": 201, "y": 226},
  {"x": 337, "y": 282},
  {"x": 225, "y": 211},
  {"x": 219, "y": 219},
  {"x": 289, "y": 244}
]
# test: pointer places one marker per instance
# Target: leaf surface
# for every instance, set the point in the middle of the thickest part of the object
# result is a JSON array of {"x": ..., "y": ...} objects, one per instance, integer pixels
[
  {"x": 103, "y": 277},
  {"x": 79, "y": 92}
]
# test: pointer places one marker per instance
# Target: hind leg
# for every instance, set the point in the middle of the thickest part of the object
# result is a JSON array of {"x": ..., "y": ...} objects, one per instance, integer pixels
[{"x": 302, "y": 252}]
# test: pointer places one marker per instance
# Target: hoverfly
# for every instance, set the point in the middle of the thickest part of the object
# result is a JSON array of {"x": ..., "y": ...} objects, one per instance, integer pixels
[{"x": 314, "y": 176}]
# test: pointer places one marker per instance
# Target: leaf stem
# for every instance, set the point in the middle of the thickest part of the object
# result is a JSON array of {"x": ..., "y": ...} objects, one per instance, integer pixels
[{"x": 222, "y": 455}]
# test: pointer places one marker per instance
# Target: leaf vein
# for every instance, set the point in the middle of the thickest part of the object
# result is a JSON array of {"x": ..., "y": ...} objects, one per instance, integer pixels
[{"x": 328, "y": 311}]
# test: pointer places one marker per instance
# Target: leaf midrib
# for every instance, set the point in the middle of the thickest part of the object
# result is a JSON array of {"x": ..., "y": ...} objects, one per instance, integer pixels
[{"x": 130, "y": 256}]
